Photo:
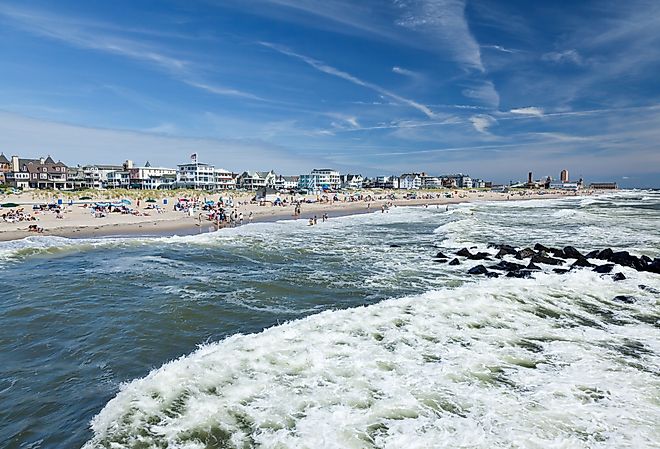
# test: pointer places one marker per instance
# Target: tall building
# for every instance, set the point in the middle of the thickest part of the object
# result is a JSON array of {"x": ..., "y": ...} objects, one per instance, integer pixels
[
  {"x": 563, "y": 176},
  {"x": 320, "y": 179}
]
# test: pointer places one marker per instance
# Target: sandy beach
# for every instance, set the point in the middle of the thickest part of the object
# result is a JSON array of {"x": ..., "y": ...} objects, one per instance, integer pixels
[{"x": 155, "y": 215}]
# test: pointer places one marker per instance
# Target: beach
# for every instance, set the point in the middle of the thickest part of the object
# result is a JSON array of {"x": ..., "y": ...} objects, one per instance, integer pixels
[{"x": 76, "y": 220}]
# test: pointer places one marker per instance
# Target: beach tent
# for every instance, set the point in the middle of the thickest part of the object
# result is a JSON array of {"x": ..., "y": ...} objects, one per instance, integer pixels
[{"x": 125, "y": 201}]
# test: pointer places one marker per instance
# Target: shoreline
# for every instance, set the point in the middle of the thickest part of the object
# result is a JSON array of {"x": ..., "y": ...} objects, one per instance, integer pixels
[{"x": 180, "y": 225}]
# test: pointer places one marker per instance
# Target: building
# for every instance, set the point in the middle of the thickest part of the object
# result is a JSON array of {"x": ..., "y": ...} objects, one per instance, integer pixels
[
  {"x": 431, "y": 182},
  {"x": 224, "y": 179},
  {"x": 286, "y": 182},
  {"x": 563, "y": 176},
  {"x": 320, "y": 179},
  {"x": 37, "y": 174},
  {"x": 250, "y": 180},
  {"x": 462, "y": 181},
  {"x": 5, "y": 167},
  {"x": 565, "y": 185},
  {"x": 603, "y": 186},
  {"x": 196, "y": 175},
  {"x": 351, "y": 182},
  {"x": 411, "y": 181},
  {"x": 141, "y": 177},
  {"x": 120, "y": 179},
  {"x": 386, "y": 182},
  {"x": 96, "y": 176}
]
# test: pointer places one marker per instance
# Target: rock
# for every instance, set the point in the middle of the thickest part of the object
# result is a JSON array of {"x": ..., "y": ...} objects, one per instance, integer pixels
[
  {"x": 506, "y": 250},
  {"x": 440, "y": 260},
  {"x": 649, "y": 289},
  {"x": 531, "y": 266},
  {"x": 539, "y": 247},
  {"x": 605, "y": 254},
  {"x": 572, "y": 253},
  {"x": 607, "y": 268},
  {"x": 558, "y": 253},
  {"x": 441, "y": 256},
  {"x": 582, "y": 262},
  {"x": 653, "y": 267},
  {"x": 507, "y": 266},
  {"x": 394, "y": 245},
  {"x": 560, "y": 270},
  {"x": 455, "y": 262},
  {"x": 464, "y": 252},
  {"x": 479, "y": 256},
  {"x": 479, "y": 269},
  {"x": 593, "y": 254},
  {"x": 525, "y": 253},
  {"x": 492, "y": 275},
  {"x": 519, "y": 274},
  {"x": 618, "y": 277},
  {"x": 624, "y": 298},
  {"x": 540, "y": 258},
  {"x": 624, "y": 259},
  {"x": 646, "y": 259}
]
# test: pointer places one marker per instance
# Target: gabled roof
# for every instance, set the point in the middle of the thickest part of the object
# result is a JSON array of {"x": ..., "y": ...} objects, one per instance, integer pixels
[
  {"x": 3, "y": 159},
  {"x": 49, "y": 160}
]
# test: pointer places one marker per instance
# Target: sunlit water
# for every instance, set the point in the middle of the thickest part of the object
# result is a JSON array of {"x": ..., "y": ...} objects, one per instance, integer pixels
[{"x": 368, "y": 343}]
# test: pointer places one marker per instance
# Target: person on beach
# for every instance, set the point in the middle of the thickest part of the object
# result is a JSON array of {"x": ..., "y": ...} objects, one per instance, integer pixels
[
  {"x": 240, "y": 218},
  {"x": 315, "y": 219},
  {"x": 250, "y": 218}
]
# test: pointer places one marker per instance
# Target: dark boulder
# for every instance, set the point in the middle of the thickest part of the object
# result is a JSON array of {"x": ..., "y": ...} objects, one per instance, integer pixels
[
  {"x": 625, "y": 259},
  {"x": 540, "y": 258},
  {"x": 558, "y": 253},
  {"x": 646, "y": 259},
  {"x": 507, "y": 266},
  {"x": 394, "y": 245},
  {"x": 492, "y": 275},
  {"x": 539, "y": 247},
  {"x": 519, "y": 274},
  {"x": 531, "y": 266},
  {"x": 479, "y": 256},
  {"x": 593, "y": 254},
  {"x": 618, "y": 277},
  {"x": 624, "y": 298},
  {"x": 455, "y": 262},
  {"x": 525, "y": 253},
  {"x": 649, "y": 289},
  {"x": 560, "y": 270},
  {"x": 440, "y": 260},
  {"x": 605, "y": 254},
  {"x": 607, "y": 268},
  {"x": 441, "y": 256},
  {"x": 653, "y": 267},
  {"x": 572, "y": 253},
  {"x": 582, "y": 262},
  {"x": 506, "y": 250},
  {"x": 463, "y": 252},
  {"x": 479, "y": 269}
]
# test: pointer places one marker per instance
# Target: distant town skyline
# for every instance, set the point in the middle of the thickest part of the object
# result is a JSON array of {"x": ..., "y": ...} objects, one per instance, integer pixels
[{"x": 493, "y": 89}]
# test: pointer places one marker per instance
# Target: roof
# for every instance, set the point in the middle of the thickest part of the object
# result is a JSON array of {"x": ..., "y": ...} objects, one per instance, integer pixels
[
  {"x": 3, "y": 159},
  {"x": 49, "y": 160}
]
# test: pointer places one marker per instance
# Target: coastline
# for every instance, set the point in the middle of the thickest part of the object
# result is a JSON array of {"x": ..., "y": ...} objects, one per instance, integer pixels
[{"x": 180, "y": 224}]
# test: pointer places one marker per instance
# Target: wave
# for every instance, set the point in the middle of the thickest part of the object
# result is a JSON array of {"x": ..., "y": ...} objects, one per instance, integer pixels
[{"x": 506, "y": 362}]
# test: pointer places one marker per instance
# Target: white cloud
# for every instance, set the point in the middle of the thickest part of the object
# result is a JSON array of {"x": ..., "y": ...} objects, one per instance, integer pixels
[
  {"x": 566, "y": 56},
  {"x": 225, "y": 91},
  {"x": 482, "y": 122},
  {"x": 406, "y": 72},
  {"x": 530, "y": 110},
  {"x": 322, "y": 67},
  {"x": 485, "y": 93}
]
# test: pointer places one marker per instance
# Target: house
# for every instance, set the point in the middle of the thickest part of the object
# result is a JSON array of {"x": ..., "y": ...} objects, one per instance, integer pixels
[
  {"x": 461, "y": 180},
  {"x": 196, "y": 175},
  {"x": 431, "y": 182},
  {"x": 224, "y": 179},
  {"x": 351, "y": 182},
  {"x": 5, "y": 167},
  {"x": 386, "y": 182},
  {"x": 320, "y": 179},
  {"x": 286, "y": 182},
  {"x": 411, "y": 181},
  {"x": 249, "y": 180},
  {"x": 37, "y": 174}
]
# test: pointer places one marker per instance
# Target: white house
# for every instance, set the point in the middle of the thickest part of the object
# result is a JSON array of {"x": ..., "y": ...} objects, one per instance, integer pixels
[
  {"x": 286, "y": 182},
  {"x": 411, "y": 181},
  {"x": 353, "y": 182},
  {"x": 431, "y": 182},
  {"x": 250, "y": 180},
  {"x": 320, "y": 179},
  {"x": 196, "y": 175}
]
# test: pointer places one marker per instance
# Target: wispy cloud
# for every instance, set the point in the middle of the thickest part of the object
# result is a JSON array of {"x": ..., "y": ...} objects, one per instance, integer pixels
[
  {"x": 219, "y": 90},
  {"x": 405, "y": 72},
  {"x": 484, "y": 92},
  {"x": 530, "y": 110},
  {"x": 482, "y": 122},
  {"x": 499, "y": 48},
  {"x": 565, "y": 56},
  {"x": 323, "y": 67}
]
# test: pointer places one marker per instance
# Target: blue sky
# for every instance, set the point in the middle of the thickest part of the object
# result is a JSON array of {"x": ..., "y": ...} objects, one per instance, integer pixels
[{"x": 491, "y": 88}]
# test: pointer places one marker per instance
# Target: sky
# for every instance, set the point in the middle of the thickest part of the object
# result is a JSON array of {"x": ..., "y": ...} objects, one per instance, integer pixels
[{"x": 490, "y": 88}]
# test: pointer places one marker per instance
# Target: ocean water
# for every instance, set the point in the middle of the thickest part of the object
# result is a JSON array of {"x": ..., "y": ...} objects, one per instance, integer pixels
[{"x": 343, "y": 335}]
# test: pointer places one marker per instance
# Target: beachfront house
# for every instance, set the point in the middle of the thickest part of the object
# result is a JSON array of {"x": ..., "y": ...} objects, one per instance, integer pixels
[
  {"x": 461, "y": 180},
  {"x": 120, "y": 179},
  {"x": 37, "y": 174},
  {"x": 320, "y": 179},
  {"x": 386, "y": 182},
  {"x": 151, "y": 178},
  {"x": 196, "y": 175},
  {"x": 352, "y": 182},
  {"x": 286, "y": 183},
  {"x": 431, "y": 182},
  {"x": 96, "y": 176},
  {"x": 5, "y": 167},
  {"x": 411, "y": 181},
  {"x": 224, "y": 179},
  {"x": 253, "y": 180}
]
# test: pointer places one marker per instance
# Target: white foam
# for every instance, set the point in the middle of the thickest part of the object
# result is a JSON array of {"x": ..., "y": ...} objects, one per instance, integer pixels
[{"x": 450, "y": 368}]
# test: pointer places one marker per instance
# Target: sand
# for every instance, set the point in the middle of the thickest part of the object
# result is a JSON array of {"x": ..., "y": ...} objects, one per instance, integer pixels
[{"x": 78, "y": 221}]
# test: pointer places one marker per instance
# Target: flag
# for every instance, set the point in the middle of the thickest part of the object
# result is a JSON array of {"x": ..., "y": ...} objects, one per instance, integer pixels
[{"x": 193, "y": 157}]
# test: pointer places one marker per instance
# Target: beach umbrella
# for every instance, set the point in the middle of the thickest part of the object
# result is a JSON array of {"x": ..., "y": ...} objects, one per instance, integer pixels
[
  {"x": 125, "y": 202},
  {"x": 150, "y": 200}
]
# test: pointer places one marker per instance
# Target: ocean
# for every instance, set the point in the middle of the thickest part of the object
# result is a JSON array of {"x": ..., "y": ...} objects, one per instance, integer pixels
[{"x": 347, "y": 334}]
